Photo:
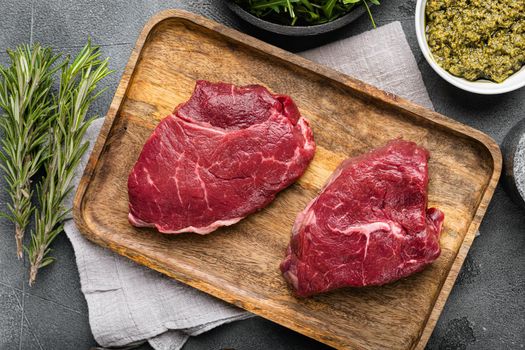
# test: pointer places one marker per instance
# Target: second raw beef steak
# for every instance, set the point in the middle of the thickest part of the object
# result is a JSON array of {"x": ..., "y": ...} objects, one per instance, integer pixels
[{"x": 369, "y": 226}]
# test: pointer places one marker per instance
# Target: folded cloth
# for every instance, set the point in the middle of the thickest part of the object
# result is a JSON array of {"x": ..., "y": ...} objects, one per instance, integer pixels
[
  {"x": 380, "y": 57},
  {"x": 129, "y": 303}
]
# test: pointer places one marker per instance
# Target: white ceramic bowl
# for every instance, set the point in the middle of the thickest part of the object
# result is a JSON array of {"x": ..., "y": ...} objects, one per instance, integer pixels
[{"x": 485, "y": 87}]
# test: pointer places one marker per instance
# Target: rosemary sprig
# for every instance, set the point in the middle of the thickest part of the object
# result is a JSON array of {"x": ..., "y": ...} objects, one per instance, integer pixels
[
  {"x": 77, "y": 91},
  {"x": 26, "y": 101}
]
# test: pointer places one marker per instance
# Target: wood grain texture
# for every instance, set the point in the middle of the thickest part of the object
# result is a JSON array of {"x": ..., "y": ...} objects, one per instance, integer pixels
[{"x": 239, "y": 264}]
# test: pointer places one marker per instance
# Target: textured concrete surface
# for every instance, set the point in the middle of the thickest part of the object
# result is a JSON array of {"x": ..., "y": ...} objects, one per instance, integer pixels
[{"x": 486, "y": 309}]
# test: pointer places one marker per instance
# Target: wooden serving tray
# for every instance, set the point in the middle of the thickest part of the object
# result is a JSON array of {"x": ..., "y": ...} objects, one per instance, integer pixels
[{"x": 239, "y": 264}]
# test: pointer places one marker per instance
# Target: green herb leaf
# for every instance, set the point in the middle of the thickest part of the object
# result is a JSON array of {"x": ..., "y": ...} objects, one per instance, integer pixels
[
  {"x": 328, "y": 7},
  {"x": 370, "y": 13}
]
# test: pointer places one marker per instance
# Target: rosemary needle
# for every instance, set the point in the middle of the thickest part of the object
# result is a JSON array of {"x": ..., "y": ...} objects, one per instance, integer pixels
[
  {"x": 78, "y": 82},
  {"x": 26, "y": 101}
]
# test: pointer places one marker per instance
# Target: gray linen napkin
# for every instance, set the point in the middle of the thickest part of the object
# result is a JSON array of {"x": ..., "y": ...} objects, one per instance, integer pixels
[
  {"x": 380, "y": 57},
  {"x": 129, "y": 303}
]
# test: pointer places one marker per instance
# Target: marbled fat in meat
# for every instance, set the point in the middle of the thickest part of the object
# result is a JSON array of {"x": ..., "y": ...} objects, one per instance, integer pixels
[
  {"x": 369, "y": 225},
  {"x": 220, "y": 156}
]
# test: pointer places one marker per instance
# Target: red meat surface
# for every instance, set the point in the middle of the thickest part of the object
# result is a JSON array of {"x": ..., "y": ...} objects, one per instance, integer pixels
[
  {"x": 369, "y": 225},
  {"x": 219, "y": 157}
]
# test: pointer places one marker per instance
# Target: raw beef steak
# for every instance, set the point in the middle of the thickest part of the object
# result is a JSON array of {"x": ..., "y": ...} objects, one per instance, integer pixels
[
  {"x": 220, "y": 156},
  {"x": 369, "y": 225}
]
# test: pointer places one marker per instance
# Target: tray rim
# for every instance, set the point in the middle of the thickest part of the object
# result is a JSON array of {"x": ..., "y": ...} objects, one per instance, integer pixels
[{"x": 359, "y": 87}]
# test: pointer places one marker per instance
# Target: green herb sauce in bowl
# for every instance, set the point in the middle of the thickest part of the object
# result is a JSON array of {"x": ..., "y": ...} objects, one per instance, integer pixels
[{"x": 477, "y": 39}]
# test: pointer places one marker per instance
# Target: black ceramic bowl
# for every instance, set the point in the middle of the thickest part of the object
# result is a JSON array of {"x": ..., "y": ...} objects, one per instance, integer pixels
[
  {"x": 351, "y": 16},
  {"x": 513, "y": 149}
]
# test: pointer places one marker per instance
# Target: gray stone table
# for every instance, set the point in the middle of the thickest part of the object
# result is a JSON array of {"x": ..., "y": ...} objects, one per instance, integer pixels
[{"x": 486, "y": 309}]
